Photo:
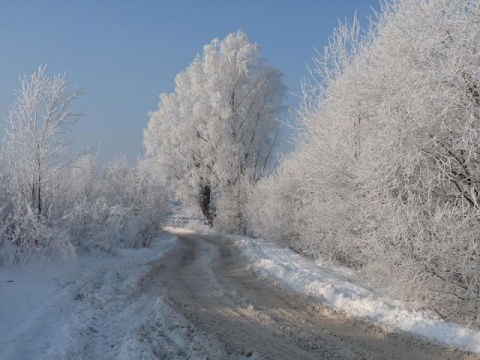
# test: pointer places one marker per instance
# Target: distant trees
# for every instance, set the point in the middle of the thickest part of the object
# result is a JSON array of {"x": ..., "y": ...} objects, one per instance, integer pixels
[
  {"x": 214, "y": 136},
  {"x": 118, "y": 205},
  {"x": 53, "y": 203},
  {"x": 387, "y": 170}
]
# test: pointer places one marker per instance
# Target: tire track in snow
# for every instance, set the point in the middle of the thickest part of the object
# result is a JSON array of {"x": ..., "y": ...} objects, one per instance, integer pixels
[
  {"x": 112, "y": 308},
  {"x": 125, "y": 315}
]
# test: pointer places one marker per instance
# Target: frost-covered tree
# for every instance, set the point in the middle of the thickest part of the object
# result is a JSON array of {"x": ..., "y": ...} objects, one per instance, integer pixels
[
  {"x": 38, "y": 137},
  {"x": 34, "y": 153},
  {"x": 387, "y": 166},
  {"x": 214, "y": 135}
]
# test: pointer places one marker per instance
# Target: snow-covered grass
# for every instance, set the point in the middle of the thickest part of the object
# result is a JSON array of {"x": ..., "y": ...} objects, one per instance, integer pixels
[{"x": 342, "y": 289}]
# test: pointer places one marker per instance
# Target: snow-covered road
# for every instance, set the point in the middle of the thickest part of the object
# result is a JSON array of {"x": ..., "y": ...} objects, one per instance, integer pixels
[{"x": 186, "y": 297}]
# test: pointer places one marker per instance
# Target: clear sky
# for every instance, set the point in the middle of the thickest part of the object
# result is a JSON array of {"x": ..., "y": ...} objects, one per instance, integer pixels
[{"x": 127, "y": 52}]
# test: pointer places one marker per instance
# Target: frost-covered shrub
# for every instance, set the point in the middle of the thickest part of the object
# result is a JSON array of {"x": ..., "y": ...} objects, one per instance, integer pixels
[
  {"x": 124, "y": 207},
  {"x": 272, "y": 206},
  {"x": 26, "y": 235},
  {"x": 121, "y": 206},
  {"x": 86, "y": 224}
]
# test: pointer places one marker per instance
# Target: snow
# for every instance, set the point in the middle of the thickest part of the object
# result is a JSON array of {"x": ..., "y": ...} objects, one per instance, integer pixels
[
  {"x": 100, "y": 307},
  {"x": 342, "y": 289},
  {"x": 112, "y": 306}
]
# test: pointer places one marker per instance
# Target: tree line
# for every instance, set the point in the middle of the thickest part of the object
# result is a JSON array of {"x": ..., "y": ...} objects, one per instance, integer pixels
[
  {"x": 386, "y": 173},
  {"x": 55, "y": 204}
]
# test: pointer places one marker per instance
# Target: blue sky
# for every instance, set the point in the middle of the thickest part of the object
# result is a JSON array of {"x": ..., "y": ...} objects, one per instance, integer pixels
[{"x": 127, "y": 52}]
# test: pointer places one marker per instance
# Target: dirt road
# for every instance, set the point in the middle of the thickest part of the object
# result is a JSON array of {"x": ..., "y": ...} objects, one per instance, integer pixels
[{"x": 209, "y": 283}]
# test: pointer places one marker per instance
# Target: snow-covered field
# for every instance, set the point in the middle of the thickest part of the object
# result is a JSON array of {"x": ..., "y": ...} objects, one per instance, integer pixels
[{"x": 115, "y": 307}]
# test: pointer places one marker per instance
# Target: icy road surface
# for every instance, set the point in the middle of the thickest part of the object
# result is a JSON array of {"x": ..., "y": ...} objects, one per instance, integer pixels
[{"x": 185, "y": 297}]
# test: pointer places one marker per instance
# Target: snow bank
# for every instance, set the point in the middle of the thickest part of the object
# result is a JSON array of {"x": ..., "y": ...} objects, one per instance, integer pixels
[{"x": 342, "y": 289}]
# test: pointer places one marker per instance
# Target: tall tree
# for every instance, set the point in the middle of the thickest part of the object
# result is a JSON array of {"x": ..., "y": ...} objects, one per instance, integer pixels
[
  {"x": 216, "y": 132},
  {"x": 34, "y": 154}
]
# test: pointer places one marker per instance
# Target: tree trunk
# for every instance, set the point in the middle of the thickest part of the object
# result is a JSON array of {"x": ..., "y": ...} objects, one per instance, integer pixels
[{"x": 205, "y": 204}]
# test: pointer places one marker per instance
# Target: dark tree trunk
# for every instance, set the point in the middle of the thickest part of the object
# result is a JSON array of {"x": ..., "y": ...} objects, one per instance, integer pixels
[{"x": 205, "y": 199}]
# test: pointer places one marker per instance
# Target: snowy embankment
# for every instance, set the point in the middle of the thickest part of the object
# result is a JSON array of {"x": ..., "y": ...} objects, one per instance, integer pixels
[
  {"x": 342, "y": 289},
  {"x": 97, "y": 307}
]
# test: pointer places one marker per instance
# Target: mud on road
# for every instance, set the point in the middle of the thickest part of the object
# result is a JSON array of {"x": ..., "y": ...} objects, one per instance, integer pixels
[{"x": 211, "y": 285}]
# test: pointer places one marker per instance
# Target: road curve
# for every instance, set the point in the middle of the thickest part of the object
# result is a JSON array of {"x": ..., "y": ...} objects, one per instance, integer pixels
[{"x": 211, "y": 285}]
